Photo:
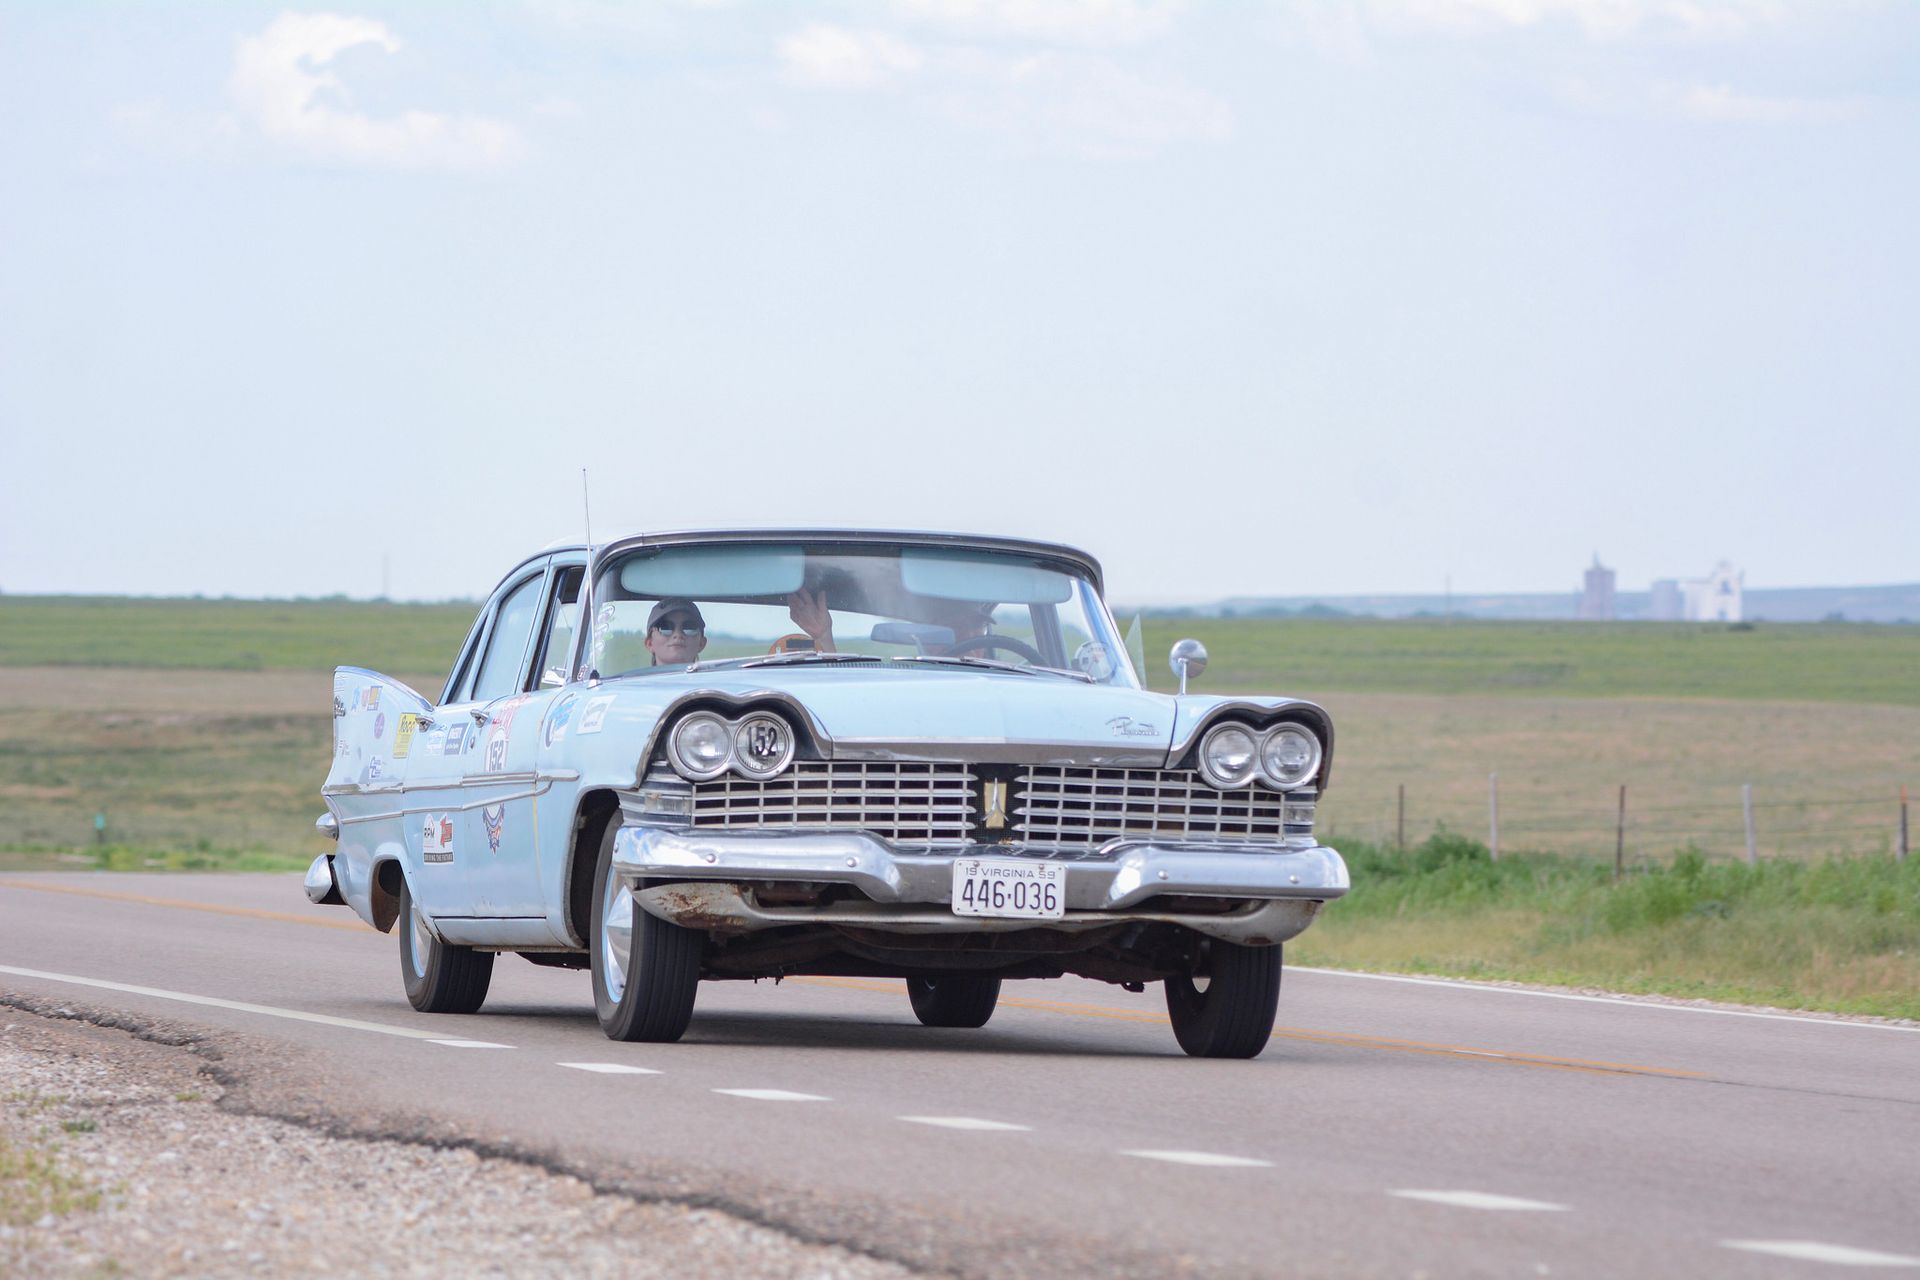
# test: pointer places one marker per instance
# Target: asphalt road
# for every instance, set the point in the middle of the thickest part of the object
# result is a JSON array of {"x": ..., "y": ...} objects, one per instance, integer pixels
[{"x": 1393, "y": 1127}]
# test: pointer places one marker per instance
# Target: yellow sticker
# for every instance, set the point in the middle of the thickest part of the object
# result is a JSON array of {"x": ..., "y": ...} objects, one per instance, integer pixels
[{"x": 403, "y": 735}]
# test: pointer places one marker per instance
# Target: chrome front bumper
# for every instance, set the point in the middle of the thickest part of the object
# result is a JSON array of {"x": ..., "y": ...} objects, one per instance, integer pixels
[{"x": 911, "y": 892}]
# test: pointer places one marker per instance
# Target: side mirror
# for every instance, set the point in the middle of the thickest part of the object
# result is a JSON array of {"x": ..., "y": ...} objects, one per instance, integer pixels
[
  {"x": 552, "y": 678},
  {"x": 1189, "y": 659}
]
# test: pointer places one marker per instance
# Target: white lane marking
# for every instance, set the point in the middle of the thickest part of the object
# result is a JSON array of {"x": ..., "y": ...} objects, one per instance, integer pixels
[
  {"x": 609, "y": 1068},
  {"x": 1463, "y": 984},
  {"x": 297, "y": 1015},
  {"x": 470, "y": 1044},
  {"x": 1813, "y": 1251},
  {"x": 969, "y": 1122},
  {"x": 1479, "y": 1200},
  {"x": 1206, "y": 1158},
  {"x": 773, "y": 1095}
]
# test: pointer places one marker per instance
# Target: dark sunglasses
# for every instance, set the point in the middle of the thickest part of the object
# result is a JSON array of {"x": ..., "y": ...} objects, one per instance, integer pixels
[{"x": 667, "y": 627}]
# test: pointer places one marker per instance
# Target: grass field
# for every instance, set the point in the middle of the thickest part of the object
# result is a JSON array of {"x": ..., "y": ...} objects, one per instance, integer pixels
[
  {"x": 1850, "y": 663},
  {"x": 1838, "y": 934}
]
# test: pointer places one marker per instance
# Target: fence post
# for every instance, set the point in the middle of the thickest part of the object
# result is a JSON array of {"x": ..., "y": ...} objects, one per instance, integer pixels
[
  {"x": 1620, "y": 836},
  {"x": 1904, "y": 846},
  {"x": 1493, "y": 815},
  {"x": 1746, "y": 807},
  {"x": 1400, "y": 830}
]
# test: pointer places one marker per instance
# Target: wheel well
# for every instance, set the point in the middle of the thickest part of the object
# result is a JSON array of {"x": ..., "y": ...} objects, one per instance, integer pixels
[
  {"x": 387, "y": 880},
  {"x": 597, "y": 809}
]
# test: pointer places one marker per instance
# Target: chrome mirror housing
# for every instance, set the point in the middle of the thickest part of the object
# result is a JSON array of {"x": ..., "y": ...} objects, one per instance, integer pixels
[{"x": 1189, "y": 659}]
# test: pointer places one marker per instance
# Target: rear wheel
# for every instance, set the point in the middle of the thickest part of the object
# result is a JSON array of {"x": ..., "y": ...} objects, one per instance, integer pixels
[
  {"x": 646, "y": 971},
  {"x": 1225, "y": 1007},
  {"x": 954, "y": 1001},
  {"x": 440, "y": 977}
]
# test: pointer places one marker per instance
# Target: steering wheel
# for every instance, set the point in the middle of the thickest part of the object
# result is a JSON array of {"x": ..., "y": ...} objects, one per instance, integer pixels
[{"x": 1020, "y": 647}]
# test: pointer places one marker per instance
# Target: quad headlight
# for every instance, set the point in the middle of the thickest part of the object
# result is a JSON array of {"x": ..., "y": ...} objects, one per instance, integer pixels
[
  {"x": 1229, "y": 755},
  {"x": 705, "y": 745},
  {"x": 1233, "y": 755}
]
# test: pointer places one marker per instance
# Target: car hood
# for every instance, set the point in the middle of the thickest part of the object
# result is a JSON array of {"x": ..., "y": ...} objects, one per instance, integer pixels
[{"x": 911, "y": 713}]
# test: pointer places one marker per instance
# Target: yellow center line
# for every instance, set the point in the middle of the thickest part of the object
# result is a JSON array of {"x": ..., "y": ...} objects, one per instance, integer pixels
[
  {"x": 1494, "y": 1056},
  {"x": 254, "y": 913}
]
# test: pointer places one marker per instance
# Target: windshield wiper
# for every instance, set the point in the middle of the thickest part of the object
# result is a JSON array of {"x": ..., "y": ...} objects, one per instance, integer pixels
[
  {"x": 994, "y": 664},
  {"x": 789, "y": 659}
]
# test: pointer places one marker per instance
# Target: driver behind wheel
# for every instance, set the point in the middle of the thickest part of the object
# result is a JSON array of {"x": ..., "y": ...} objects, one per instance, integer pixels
[{"x": 968, "y": 620}]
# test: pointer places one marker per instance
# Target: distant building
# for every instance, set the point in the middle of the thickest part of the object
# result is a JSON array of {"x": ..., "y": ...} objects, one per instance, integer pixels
[
  {"x": 1718, "y": 597},
  {"x": 1596, "y": 594}
]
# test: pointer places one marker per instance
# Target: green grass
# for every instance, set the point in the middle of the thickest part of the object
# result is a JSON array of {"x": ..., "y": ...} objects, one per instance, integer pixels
[
  {"x": 1838, "y": 934},
  {"x": 1839, "y": 662},
  {"x": 1810, "y": 662},
  {"x": 34, "y": 1181},
  {"x": 230, "y": 635}
]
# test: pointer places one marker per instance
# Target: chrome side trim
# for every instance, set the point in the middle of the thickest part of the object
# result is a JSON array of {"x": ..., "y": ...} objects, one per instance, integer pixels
[{"x": 544, "y": 786}]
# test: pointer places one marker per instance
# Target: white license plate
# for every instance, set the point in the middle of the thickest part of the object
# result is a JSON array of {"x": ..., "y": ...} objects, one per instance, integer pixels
[{"x": 1009, "y": 887}]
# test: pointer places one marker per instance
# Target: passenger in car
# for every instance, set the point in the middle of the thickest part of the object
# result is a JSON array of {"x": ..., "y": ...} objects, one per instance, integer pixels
[
  {"x": 676, "y": 633},
  {"x": 809, "y": 612}
]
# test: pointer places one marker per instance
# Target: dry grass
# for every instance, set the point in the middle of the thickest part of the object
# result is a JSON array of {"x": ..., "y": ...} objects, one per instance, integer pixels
[{"x": 1825, "y": 776}]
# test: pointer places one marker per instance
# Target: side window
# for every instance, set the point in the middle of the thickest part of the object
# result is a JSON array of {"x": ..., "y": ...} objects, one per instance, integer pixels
[
  {"x": 469, "y": 654},
  {"x": 563, "y": 617},
  {"x": 500, "y": 668}
]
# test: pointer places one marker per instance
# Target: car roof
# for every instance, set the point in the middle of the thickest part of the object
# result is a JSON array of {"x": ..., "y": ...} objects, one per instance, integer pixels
[{"x": 923, "y": 537}]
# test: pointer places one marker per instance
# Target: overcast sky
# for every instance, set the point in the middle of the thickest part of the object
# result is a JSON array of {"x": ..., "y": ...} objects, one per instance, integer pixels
[{"x": 1285, "y": 298}]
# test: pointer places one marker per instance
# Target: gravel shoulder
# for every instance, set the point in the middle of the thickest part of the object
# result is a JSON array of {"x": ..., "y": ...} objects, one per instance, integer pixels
[{"x": 124, "y": 1150}]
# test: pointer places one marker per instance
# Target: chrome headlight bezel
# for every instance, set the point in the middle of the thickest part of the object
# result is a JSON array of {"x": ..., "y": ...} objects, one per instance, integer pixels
[
  {"x": 1223, "y": 779},
  {"x": 1302, "y": 778},
  {"x": 677, "y": 758},
  {"x": 788, "y": 739}
]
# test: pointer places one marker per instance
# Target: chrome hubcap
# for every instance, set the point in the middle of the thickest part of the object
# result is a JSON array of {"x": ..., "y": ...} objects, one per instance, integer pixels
[
  {"x": 616, "y": 936},
  {"x": 418, "y": 939}
]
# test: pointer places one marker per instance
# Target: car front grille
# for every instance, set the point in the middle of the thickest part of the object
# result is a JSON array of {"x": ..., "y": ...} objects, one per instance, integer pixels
[
  {"x": 1063, "y": 807},
  {"x": 903, "y": 801},
  {"x": 1051, "y": 811}
]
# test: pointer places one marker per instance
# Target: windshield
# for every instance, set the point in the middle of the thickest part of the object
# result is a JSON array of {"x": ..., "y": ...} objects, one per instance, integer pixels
[{"x": 669, "y": 607}]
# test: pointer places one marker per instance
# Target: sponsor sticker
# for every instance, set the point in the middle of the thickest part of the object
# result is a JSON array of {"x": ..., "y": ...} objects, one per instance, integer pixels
[
  {"x": 380, "y": 725},
  {"x": 376, "y": 769},
  {"x": 594, "y": 714},
  {"x": 494, "y": 819},
  {"x": 502, "y": 728},
  {"x": 456, "y": 737},
  {"x": 436, "y": 838},
  {"x": 402, "y": 734},
  {"x": 433, "y": 741},
  {"x": 370, "y": 698},
  {"x": 556, "y": 727}
]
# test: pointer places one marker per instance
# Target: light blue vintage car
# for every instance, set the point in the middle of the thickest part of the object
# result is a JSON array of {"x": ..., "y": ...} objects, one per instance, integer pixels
[{"x": 750, "y": 754}]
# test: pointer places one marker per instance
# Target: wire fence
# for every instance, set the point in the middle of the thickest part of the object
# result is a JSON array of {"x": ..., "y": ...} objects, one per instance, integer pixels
[{"x": 1749, "y": 824}]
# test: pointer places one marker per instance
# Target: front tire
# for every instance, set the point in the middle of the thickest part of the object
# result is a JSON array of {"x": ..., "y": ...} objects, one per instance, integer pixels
[
  {"x": 646, "y": 971},
  {"x": 1225, "y": 1008},
  {"x": 440, "y": 977},
  {"x": 965, "y": 1000}
]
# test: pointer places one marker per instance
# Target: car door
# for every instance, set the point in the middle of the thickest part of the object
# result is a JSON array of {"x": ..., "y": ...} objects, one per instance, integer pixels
[{"x": 495, "y": 852}]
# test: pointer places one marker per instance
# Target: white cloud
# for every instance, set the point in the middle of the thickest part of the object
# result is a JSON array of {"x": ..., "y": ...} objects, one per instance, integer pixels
[
  {"x": 1085, "y": 104},
  {"x": 1059, "y": 21},
  {"x": 282, "y": 89},
  {"x": 1718, "y": 102},
  {"x": 1602, "y": 19},
  {"x": 829, "y": 57}
]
